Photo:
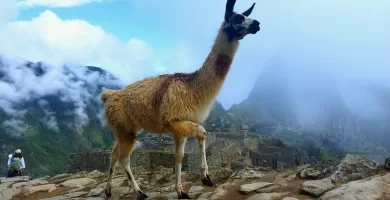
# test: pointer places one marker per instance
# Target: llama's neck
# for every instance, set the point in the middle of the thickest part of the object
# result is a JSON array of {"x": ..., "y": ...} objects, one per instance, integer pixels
[{"x": 217, "y": 65}]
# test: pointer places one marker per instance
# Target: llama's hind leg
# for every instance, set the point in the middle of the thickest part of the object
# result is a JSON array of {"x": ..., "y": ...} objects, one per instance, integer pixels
[
  {"x": 126, "y": 146},
  {"x": 180, "y": 142},
  {"x": 114, "y": 159}
]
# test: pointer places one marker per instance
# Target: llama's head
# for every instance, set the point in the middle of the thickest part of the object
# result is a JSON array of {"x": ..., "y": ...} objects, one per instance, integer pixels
[{"x": 238, "y": 25}]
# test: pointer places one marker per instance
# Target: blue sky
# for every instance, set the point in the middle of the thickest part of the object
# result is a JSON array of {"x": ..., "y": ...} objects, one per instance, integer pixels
[{"x": 136, "y": 39}]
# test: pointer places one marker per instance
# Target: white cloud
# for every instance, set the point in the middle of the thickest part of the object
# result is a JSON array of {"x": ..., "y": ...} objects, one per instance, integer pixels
[
  {"x": 54, "y": 3},
  {"x": 53, "y": 40}
]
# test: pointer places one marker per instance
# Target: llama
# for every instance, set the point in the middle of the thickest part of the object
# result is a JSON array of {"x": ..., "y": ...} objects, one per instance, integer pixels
[{"x": 174, "y": 103}]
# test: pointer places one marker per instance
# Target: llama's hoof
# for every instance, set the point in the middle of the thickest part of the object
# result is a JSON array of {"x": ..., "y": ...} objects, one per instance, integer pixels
[
  {"x": 141, "y": 196},
  {"x": 207, "y": 181},
  {"x": 184, "y": 196}
]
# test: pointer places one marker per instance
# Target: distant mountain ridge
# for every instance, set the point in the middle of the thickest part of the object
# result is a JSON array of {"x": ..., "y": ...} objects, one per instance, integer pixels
[{"x": 355, "y": 115}]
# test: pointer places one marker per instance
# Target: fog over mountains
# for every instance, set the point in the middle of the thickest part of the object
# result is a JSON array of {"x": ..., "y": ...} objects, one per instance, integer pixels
[{"x": 54, "y": 110}]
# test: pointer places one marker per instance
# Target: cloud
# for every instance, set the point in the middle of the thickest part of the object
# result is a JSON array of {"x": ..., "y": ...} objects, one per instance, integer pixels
[
  {"x": 14, "y": 127},
  {"x": 54, "y": 3},
  {"x": 53, "y": 40},
  {"x": 8, "y": 11}
]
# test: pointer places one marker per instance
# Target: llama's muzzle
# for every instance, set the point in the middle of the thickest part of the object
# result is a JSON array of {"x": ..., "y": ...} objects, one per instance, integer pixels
[{"x": 254, "y": 27}]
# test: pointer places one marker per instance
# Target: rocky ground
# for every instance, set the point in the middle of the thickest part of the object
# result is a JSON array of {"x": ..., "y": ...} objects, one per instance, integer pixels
[{"x": 351, "y": 177}]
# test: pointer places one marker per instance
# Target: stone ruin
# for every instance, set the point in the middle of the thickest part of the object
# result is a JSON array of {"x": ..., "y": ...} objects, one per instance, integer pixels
[
  {"x": 270, "y": 153},
  {"x": 275, "y": 154}
]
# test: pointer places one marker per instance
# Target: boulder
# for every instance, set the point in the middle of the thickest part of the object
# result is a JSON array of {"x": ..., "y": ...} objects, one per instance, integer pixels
[
  {"x": 318, "y": 187},
  {"x": 220, "y": 174},
  {"x": 310, "y": 173},
  {"x": 354, "y": 167},
  {"x": 376, "y": 187},
  {"x": 248, "y": 188}
]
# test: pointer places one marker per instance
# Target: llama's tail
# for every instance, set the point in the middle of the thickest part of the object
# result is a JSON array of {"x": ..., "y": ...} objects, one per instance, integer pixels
[{"x": 106, "y": 94}]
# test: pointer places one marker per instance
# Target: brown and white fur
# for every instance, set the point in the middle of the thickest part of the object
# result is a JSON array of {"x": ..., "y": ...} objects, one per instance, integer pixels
[{"x": 174, "y": 103}]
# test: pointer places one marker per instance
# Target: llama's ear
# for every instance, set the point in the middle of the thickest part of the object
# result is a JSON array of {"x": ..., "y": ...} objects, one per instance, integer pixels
[
  {"x": 230, "y": 6},
  {"x": 249, "y": 11}
]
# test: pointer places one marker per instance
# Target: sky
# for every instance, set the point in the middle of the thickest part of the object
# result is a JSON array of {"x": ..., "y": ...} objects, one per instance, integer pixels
[{"x": 136, "y": 39}]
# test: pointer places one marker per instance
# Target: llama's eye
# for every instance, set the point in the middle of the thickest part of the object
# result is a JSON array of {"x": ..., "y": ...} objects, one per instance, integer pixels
[{"x": 237, "y": 19}]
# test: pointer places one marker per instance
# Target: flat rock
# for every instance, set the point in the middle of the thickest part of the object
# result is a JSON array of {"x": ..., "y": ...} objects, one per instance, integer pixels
[
  {"x": 28, "y": 190},
  {"x": 168, "y": 188},
  {"x": 376, "y": 187},
  {"x": 30, "y": 183},
  {"x": 247, "y": 174},
  {"x": 289, "y": 198},
  {"x": 116, "y": 182},
  {"x": 269, "y": 188},
  {"x": 94, "y": 198},
  {"x": 8, "y": 193},
  {"x": 169, "y": 196},
  {"x": 95, "y": 192},
  {"x": 73, "y": 190},
  {"x": 195, "y": 190},
  {"x": 205, "y": 196},
  {"x": 317, "y": 187},
  {"x": 75, "y": 194},
  {"x": 13, "y": 179},
  {"x": 95, "y": 174},
  {"x": 78, "y": 182},
  {"x": 152, "y": 195},
  {"x": 266, "y": 196},
  {"x": 248, "y": 188}
]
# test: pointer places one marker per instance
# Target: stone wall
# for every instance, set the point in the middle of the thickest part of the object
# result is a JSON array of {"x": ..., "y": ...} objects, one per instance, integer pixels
[{"x": 148, "y": 159}]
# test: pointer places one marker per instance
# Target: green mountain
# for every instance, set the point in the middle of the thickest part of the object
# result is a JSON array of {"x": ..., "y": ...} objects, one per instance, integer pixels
[{"x": 49, "y": 112}]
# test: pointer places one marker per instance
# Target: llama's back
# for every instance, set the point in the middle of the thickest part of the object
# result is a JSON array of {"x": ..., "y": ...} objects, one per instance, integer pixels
[{"x": 133, "y": 105}]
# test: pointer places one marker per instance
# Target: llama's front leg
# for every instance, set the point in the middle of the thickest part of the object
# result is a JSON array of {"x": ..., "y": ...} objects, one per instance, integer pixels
[
  {"x": 180, "y": 142},
  {"x": 206, "y": 180}
]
